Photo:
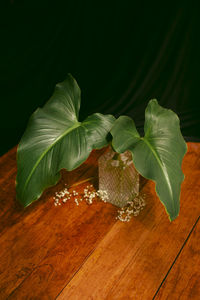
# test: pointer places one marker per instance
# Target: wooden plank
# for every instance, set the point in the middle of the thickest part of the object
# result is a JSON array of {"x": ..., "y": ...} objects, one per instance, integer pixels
[
  {"x": 45, "y": 242},
  {"x": 7, "y": 172},
  {"x": 54, "y": 259},
  {"x": 183, "y": 281},
  {"x": 133, "y": 259}
]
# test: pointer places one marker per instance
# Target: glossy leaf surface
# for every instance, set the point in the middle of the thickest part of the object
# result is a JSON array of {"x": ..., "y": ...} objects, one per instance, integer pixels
[
  {"x": 55, "y": 139},
  {"x": 158, "y": 155}
]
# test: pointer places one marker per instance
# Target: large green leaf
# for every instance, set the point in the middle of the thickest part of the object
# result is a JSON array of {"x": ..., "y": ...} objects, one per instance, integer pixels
[
  {"x": 158, "y": 155},
  {"x": 55, "y": 139}
]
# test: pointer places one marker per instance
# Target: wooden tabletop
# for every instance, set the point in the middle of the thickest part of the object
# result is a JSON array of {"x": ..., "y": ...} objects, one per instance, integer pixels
[{"x": 84, "y": 252}]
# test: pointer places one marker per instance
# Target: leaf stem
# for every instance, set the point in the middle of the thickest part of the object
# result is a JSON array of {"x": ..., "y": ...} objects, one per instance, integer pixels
[{"x": 82, "y": 181}]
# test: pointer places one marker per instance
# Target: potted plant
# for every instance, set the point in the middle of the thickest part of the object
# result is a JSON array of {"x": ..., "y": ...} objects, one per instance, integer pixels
[{"x": 56, "y": 139}]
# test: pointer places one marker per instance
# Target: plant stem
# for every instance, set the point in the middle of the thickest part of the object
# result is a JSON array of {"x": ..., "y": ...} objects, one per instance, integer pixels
[{"x": 82, "y": 181}]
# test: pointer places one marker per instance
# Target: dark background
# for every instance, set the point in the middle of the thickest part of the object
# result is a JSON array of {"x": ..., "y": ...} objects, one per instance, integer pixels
[{"x": 122, "y": 53}]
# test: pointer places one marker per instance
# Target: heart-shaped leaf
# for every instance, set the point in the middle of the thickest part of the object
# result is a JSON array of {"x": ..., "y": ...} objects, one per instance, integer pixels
[
  {"x": 55, "y": 139},
  {"x": 158, "y": 155}
]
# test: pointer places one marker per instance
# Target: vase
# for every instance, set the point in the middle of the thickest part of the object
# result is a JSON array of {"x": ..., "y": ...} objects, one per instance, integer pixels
[{"x": 118, "y": 177}]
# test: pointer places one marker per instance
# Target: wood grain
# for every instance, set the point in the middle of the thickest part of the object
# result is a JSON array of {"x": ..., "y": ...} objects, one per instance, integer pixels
[
  {"x": 44, "y": 239},
  {"x": 183, "y": 281},
  {"x": 70, "y": 252},
  {"x": 133, "y": 259}
]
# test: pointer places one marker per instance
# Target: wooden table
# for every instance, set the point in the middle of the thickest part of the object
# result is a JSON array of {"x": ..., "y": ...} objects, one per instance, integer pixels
[{"x": 83, "y": 252}]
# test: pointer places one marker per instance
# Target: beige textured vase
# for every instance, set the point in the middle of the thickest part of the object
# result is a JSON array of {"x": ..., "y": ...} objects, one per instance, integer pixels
[{"x": 118, "y": 176}]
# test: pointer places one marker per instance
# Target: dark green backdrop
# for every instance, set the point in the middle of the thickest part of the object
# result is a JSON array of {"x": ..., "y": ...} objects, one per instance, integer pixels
[{"x": 122, "y": 54}]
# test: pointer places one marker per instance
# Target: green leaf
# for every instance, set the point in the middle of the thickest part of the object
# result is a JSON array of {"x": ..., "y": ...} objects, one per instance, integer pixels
[
  {"x": 55, "y": 139},
  {"x": 158, "y": 155}
]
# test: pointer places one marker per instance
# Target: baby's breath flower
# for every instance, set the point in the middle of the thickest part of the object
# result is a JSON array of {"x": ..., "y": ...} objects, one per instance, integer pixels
[
  {"x": 133, "y": 208},
  {"x": 125, "y": 214}
]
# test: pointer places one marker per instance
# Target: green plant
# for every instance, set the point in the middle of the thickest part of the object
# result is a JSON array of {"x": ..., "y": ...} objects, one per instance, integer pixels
[{"x": 55, "y": 139}]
